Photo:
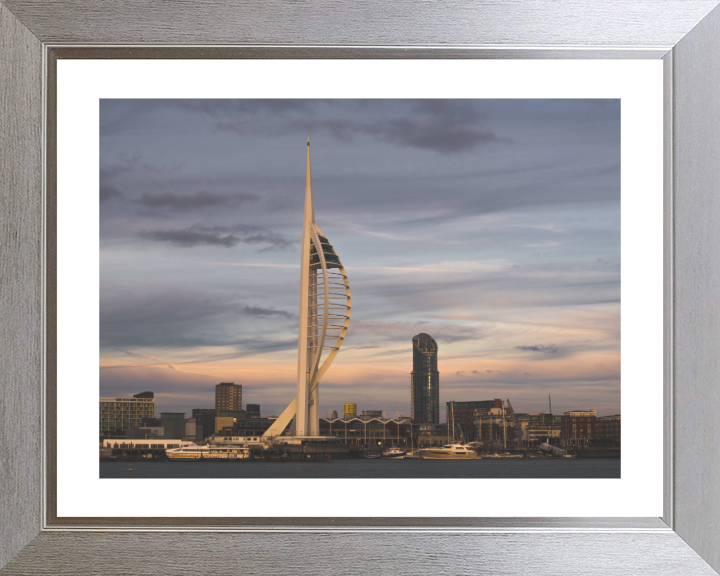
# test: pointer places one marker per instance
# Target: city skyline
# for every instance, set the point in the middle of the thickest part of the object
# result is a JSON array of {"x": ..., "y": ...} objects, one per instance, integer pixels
[{"x": 491, "y": 225}]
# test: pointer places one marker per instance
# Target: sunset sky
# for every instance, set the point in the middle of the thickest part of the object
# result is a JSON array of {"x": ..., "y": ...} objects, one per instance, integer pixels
[{"x": 492, "y": 225}]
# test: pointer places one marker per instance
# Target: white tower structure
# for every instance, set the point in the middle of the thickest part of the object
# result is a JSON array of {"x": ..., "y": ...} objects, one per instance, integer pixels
[{"x": 324, "y": 318}]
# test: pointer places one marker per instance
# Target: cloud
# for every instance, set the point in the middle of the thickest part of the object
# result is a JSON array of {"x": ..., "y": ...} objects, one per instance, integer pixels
[
  {"x": 264, "y": 312},
  {"x": 494, "y": 371},
  {"x": 201, "y": 199},
  {"x": 460, "y": 372},
  {"x": 140, "y": 356},
  {"x": 474, "y": 372},
  {"x": 546, "y": 348},
  {"x": 190, "y": 238},
  {"x": 227, "y": 236},
  {"x": 442, "y": 126},
  {"x": 108, "y": 192}
]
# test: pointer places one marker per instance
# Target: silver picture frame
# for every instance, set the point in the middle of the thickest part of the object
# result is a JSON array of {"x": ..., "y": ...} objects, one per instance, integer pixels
[{"x": 684, "y": 34}]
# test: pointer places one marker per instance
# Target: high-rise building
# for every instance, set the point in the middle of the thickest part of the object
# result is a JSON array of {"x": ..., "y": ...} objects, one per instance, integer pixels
[
  {"x": 118, "y": 414},
  {"x": 349, "y": 411},
  {"x": 323, "y": 320},
  {"x": 425, "y": 381},
  {"x": 228, "y": 396}
]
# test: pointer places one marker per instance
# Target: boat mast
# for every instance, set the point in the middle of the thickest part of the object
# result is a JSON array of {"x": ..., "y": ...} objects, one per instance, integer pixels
[
  {"x": 452, "y": 408},
  {"x": 552, "y": 418},
  {"x": 412, "y": 439},
  {"x": 504, "y": 427}
]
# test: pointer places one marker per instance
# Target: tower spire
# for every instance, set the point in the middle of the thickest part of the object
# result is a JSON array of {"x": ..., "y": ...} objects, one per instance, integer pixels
[
  {"x": 321, "y": 326},
  {"x": 309, "y": 204}
]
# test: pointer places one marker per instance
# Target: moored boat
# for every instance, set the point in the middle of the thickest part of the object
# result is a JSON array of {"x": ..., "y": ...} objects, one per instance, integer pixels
[
  {"x": 208, "y": 452},
  {"x": 450, "y": 452},
  {"x": 505, "y": 455},
  {"x": 394, "y": 453}
]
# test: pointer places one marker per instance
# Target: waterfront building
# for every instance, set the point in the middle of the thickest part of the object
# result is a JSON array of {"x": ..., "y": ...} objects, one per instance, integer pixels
[
  {"x": 367, "y": 414},
  {"x": 537, "y": 428},
  {"x": 608, "y": 429},
  {"x": 323, "y": 320},
  {"x": 223, "y": 423},
  {"x": 464, "y": 414},
  {"x": 228, "y": 396},
  {"x": 118, "y": 414},
  {"x": 349, "y": 411},
  {"x": 173, "y": 423},
  {"x": 495, "y": 427},
  {"x": 578, "y": 427},
  {"x": 139, "y": 448},
  {"x": 334, "y": 415},
  {"x": 238, "y": 414},
  {"x": 244, "y": 427},
  {"x": 253, "y": 410},
  {"x": 425, "y": 381},
  {"x": 204, "y": 422},
  {"x": 373, "y": 433},
  {"x": 429, "y": 435},
  {"x": 144, "y": 432}
]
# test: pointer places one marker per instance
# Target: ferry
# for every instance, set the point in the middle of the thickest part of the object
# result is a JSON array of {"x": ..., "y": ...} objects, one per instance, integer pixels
[
  {"x": 450, "y": 452},
  {"x": 209, "y": 452}
]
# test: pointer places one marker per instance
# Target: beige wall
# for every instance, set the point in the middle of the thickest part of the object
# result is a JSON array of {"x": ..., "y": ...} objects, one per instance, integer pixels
[{"x": 223, "y": 422}]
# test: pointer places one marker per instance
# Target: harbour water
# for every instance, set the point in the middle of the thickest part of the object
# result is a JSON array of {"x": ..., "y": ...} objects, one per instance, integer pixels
[{"x": 362, "y": 468}]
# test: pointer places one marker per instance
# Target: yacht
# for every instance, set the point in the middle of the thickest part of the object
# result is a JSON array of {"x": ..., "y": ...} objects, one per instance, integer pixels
[
  {"x": 450, "y": 452},
  {"x": 393, "y": 453},
  {"x": 209, "y": 452}
]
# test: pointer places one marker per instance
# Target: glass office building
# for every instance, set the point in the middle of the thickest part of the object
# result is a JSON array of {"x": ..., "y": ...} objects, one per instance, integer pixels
[{"x": 425, "y": 381}]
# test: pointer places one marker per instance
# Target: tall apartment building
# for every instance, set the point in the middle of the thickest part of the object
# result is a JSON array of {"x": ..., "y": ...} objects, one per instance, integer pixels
[
  {"x": 119, "y": 414},
  {"x": 228, "y": 397},
  {"x": 578, "y": 427},
  {"x": 425, "y": 381},
  {"x": 349, "y": 411}
]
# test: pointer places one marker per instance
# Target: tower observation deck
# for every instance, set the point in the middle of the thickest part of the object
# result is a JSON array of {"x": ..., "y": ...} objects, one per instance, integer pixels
[{"x": 324, "y": 319}]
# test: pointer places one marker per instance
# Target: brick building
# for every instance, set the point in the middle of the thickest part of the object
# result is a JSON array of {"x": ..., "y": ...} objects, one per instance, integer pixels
[
  {"x": 578, "y": 427},
  {"x": 608, "y": 429}
]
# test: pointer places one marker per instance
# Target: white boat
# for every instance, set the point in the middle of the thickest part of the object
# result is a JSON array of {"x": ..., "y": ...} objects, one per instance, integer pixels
[
  {"x": 505, "y": 455},
  {"x": 208, "y": 452},
  {"x": 393, "y": 453},
  {"x": 450, "y": 452},
  {"x": 413, "y": 456}
]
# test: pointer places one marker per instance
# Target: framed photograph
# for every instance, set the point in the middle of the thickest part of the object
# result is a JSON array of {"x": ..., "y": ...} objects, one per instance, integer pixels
[{"x": 523, "y": 214}]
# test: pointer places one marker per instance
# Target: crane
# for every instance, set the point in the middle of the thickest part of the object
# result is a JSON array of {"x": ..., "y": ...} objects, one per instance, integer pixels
[{"x": 462, "y": 434}]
